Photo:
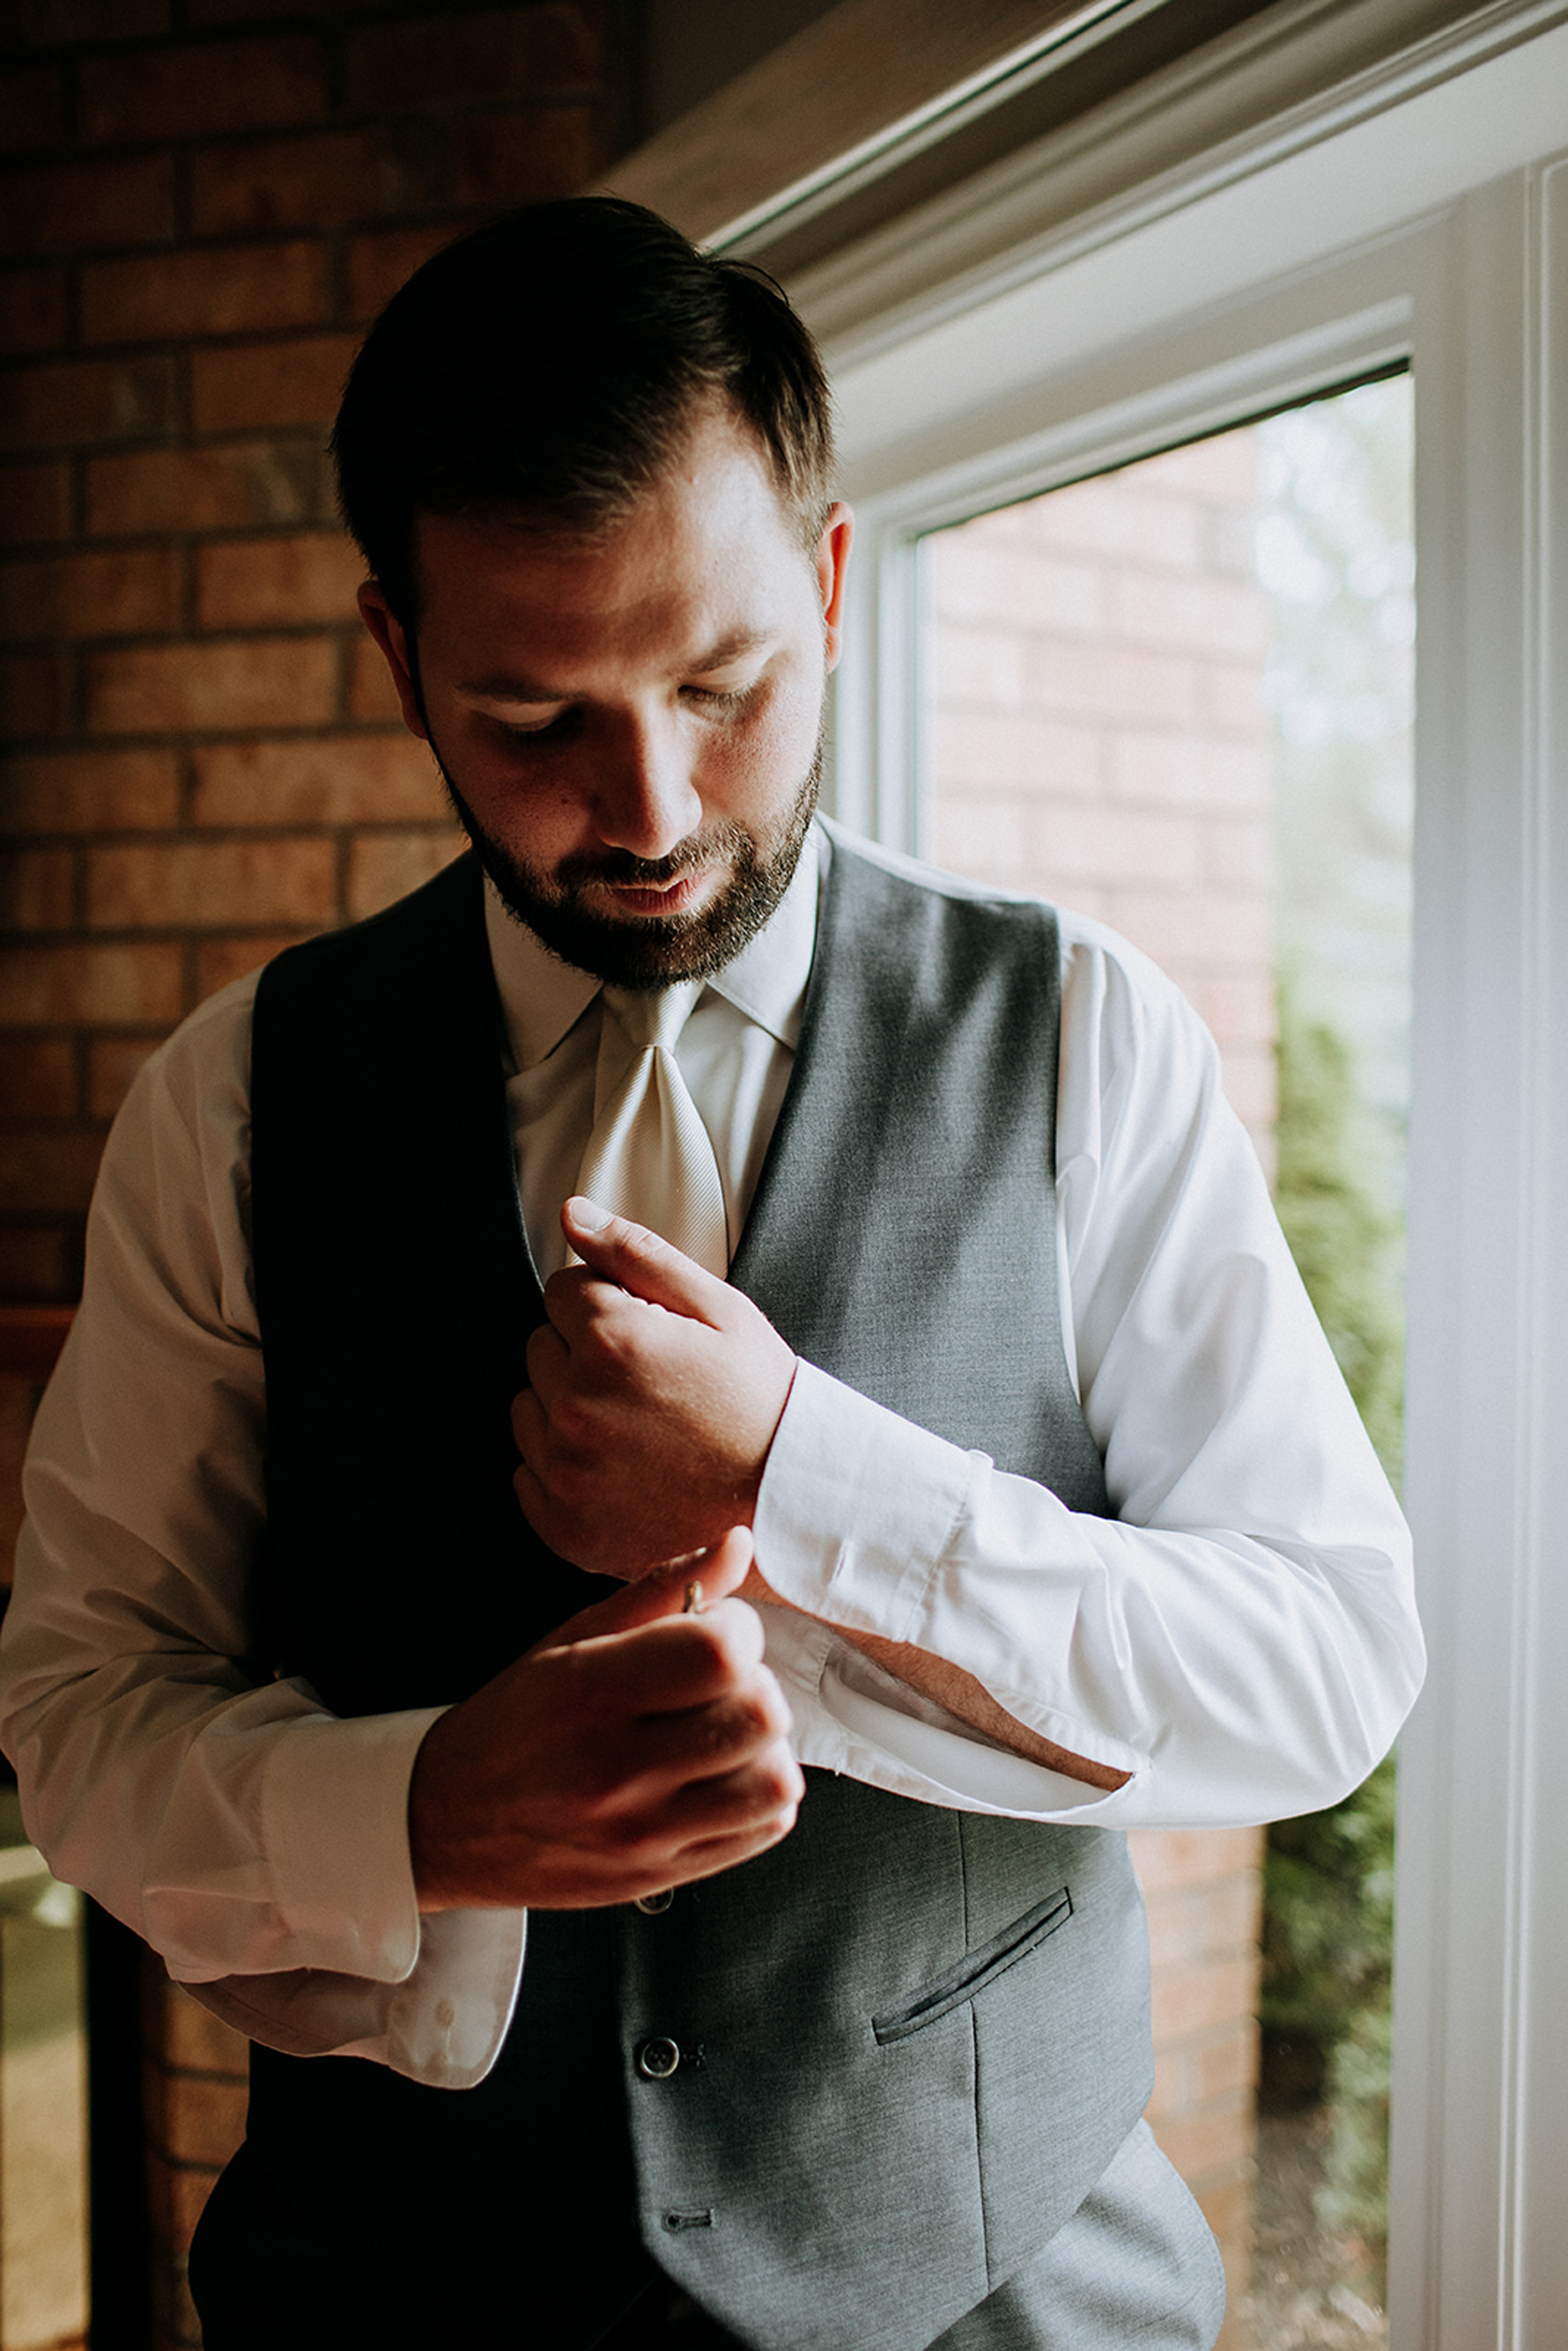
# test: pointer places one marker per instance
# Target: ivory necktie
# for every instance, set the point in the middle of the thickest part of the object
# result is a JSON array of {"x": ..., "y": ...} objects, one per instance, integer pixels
[{"x": 649, "y": 1156}]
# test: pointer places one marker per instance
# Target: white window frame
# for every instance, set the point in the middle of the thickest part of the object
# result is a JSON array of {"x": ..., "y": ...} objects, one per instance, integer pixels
[{"x": 1427, "y": 222}]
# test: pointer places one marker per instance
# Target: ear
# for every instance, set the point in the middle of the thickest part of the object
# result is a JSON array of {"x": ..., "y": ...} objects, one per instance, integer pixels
[
  {"x": 388, "y": 631},
  {"x": 832, "y": 564}
]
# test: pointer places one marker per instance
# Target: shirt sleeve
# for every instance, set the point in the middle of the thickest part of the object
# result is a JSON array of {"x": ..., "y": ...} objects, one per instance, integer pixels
[
  {"x": 257, "y": 1842},
  {"x": 1240, "y": 1637}
]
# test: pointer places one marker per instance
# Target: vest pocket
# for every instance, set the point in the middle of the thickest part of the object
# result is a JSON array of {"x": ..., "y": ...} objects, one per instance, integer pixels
[{"x": 975, "y": 1971}]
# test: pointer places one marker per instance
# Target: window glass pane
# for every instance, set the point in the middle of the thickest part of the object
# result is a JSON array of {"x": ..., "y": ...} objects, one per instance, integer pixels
[{"x": 1177, "y": 696}]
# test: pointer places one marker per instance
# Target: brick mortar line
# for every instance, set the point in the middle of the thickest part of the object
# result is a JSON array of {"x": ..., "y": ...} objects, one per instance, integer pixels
[
  {"x": 340, "y": 267},
  {"x": 163, "y": 934},
  {"x": 195, "y": 442},
  {"x": 75, "y": 745},
  {"x": 291, "y": 131},
  {"x": 218, "y": 241},
  {"x": 200, "y": 637},
  {"x": 192, "y": 834},
  {"x": 156, "y": 2061},
  {"x": 186, "y": 36}
]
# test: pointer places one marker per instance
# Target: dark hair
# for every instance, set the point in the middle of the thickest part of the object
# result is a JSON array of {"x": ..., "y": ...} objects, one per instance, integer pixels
[{"x": 547, "y": 365}]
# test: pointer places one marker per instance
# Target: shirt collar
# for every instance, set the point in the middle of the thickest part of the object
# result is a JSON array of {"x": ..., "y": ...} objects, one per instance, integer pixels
[{"x": 542, "y": 997}]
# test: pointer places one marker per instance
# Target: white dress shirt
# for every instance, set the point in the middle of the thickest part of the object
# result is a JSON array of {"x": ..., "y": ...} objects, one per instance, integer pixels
[{"x": 1240, "y": 1639}]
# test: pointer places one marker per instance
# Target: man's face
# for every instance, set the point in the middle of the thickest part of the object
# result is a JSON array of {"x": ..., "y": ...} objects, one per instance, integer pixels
[{"x": 629, "y": 722}]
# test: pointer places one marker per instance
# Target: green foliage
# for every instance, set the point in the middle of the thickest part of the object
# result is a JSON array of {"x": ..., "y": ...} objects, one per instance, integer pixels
[
  {"x": 1353, "y": 2200},
  {"x": 1339, "y": 1237},
  {"x": 1328, "y": 1900},
  {"x": 1329, "y": 1915},
  {"x": 1328, "y": 1935}
]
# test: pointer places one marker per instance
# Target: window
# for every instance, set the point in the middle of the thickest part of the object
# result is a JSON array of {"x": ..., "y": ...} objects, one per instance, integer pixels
[
  {"x": 1419, "y": 216},
  {"x": 1177, "y": 696}
]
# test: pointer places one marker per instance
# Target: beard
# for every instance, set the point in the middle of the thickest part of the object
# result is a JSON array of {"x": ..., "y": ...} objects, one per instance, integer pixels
[{"x": 650, "y": 951}]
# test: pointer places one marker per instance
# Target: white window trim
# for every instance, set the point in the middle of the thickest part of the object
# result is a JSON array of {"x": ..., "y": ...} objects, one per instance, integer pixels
[{"x": 1435, "y": 229}]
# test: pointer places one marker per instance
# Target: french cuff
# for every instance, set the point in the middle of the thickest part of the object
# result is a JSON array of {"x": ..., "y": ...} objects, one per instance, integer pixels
[
  {"x": 856, "y": 1508},
  {"x": 334, "y": 1824},
  {"x": 914, "y": 1747},
  {"x": 442, "y": 2026}
]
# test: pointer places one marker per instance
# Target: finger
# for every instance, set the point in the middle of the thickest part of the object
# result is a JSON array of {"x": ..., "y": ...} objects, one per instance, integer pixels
[
  {"x": 639, "y": 1261},
  {"x": 677, "y": 1662},
  {"x": 723, "y": 1569},
  {"x": 763, "y": 1793},
  {"x": 573, "y": 1295},
  {"x": 660, "y": 1593},
  {"x": 666, "y": 1667},
  {"x": 708, "y": 1742},
  {"x": 548, "y": 1359},
  {"x": 714, "y": 1854},
  {"x": 530, "y": 1425},
  {"x": 704, "y": 1856},
  {"x": 675, "y": 1833},
  {"x": 537, "y": 1504}
]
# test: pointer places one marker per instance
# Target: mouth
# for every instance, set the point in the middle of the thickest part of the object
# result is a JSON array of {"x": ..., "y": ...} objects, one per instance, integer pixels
[{"x": 681, "y": 895}]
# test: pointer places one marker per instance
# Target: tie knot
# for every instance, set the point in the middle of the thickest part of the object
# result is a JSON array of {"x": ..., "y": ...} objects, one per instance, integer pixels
[{"x": 653, "y": 1016}]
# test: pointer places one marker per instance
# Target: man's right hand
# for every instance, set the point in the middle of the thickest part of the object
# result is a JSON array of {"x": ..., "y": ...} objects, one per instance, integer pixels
[{"x": 637, "y": 1747}]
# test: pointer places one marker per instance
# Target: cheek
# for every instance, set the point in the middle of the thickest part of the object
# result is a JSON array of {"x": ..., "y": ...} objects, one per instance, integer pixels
[
  {"x": 766, "y": 762},
  {"x": 535, "y": 813}
]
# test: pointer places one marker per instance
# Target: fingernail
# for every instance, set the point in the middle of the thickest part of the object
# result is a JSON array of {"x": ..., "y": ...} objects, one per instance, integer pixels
[{"x": 590, "y": 1215}]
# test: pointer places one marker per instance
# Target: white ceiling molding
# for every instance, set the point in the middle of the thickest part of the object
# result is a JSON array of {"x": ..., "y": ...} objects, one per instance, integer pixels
[
  {"x": 1289, "y": 79},
  {"x": 1474, "y": 102}
]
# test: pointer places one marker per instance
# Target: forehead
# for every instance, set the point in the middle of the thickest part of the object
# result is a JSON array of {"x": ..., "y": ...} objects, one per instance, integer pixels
[{"x": 709, "y": 536}]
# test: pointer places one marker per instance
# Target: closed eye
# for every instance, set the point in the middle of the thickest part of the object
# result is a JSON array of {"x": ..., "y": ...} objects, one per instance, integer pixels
[
  {"x": 546, "y": 733},
  {"x": 558, "y": 729},
  {"x": 720, "y": 698}
]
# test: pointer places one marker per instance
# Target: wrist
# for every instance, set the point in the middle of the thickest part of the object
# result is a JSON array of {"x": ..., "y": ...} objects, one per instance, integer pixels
[{"x": 442, "y": 1842}]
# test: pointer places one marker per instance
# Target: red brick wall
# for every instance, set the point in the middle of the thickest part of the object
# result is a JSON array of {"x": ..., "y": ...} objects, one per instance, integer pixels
[
  {"x": 1095, "y": 726},
  {"x": 202, "y": 205},
  {"x": 194, "y": 2088},
  {"x": 1204, "y": 1892}
]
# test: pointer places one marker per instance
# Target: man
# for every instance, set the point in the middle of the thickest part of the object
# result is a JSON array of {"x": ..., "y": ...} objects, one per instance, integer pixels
[{"x": 1008, "y": 1458}]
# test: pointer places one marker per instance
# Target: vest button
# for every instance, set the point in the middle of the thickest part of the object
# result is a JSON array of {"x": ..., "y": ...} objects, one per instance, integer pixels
[
  {"x": 657, "y": 2060},
  {"x": 651, "y": 1903}
]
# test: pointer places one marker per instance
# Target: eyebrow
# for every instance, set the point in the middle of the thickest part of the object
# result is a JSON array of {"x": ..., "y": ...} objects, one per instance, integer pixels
[{"x": 527, "y": 693}]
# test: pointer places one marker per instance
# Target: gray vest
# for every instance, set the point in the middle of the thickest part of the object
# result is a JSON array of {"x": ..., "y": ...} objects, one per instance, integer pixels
[{"x": 906, "y": 2041}]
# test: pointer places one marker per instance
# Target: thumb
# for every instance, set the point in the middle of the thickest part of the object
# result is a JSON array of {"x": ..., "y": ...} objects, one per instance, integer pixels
[
  {"x": 713, "y": 1575},
  {"x": 641, "y": 1262}
]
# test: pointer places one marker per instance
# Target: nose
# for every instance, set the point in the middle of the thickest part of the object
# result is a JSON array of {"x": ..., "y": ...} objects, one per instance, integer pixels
[{"x": 646, "y": 800}]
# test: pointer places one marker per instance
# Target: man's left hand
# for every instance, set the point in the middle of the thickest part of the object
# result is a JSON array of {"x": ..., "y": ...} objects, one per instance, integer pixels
[{"x": 654, "y": 1391}]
